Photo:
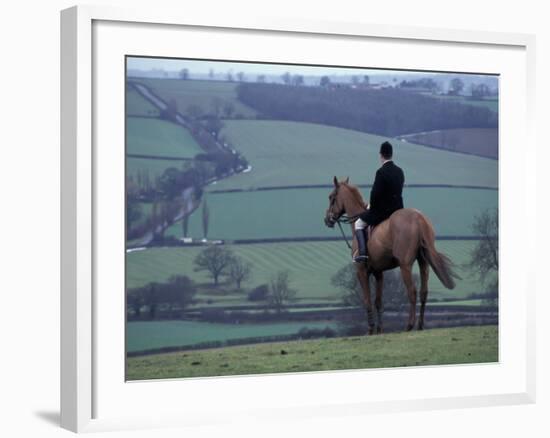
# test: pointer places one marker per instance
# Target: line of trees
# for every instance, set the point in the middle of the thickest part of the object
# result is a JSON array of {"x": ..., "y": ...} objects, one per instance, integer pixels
[
  {"x": 389, "y": 112},
  {"x": 170, "y": 298}
]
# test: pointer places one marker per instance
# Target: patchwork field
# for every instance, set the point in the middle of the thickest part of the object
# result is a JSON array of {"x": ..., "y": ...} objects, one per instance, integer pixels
[
  {"x": 159, "y": 138},
  {"x": 478, "y": 141},
  {"x": 203, "y": 94},
  {"x": 136, "y": 105},
  {"x": 430, "y": 347},
  {"x": 310, "y": 264},
  {"x": 300, "y": 212},
  {"x": 292, "y": 153},
  {"x": 159, "y": 334}
]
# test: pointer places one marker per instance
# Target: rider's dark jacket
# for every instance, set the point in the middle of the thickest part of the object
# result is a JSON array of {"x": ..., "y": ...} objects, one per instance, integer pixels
[{"x": 386, "y": 194}]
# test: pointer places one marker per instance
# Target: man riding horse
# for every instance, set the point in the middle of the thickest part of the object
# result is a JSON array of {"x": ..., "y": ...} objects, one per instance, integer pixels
[{"x": 385, "y": 199}]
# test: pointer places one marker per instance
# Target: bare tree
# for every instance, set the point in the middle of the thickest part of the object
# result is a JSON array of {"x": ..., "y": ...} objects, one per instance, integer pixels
[
  {"x": 484, "y": 257},
  {"x": 171, "y": 111},
  {"x": 286, "y": 78},
  {"x": 185, "y": 225},
  {"x": 325, "y": 81},
  {"x": 280, "y": 292},
  {"x": 184, "y": 74},
  {"x": 394, "y": 293},
  {"x": 228, "y": 109},
  {"x": 216, "y": 105},
  {"x": 456, "y": 87},
  {"x": 216, "y": 260},
  {"x": 205, "y": 218},
  {"x": 178, "y": 293},
  {"x": 297, "y": 80},
  {"x": 240, "y": 271}
]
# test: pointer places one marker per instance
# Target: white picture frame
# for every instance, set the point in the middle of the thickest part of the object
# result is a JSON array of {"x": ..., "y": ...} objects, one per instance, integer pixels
[{"x": 85, "y": 356}]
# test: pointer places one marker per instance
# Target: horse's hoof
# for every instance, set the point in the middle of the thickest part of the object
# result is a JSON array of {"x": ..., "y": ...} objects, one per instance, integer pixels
[
  {"x": 379, "y": 330},
  {"x": 420, "y": 327},
  {"x": 409, "y": 327},
  {"x": 370, "y": 332}
]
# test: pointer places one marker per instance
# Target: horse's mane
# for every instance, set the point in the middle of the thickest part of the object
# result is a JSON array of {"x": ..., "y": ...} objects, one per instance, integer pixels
[{"x": 355, "y": 193}]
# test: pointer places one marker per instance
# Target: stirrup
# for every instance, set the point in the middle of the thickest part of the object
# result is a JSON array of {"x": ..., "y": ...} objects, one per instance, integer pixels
[{"x": 360, "y": 259}]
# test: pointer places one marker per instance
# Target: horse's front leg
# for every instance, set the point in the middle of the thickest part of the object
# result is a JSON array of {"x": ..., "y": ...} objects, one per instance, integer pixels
[
  {"x": 379, "y": 276},
  {"x": 363, "y": 277}
]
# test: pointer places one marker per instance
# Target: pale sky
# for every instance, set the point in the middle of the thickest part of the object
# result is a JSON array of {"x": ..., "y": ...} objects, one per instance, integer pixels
[{"x": 247, "y": 68}]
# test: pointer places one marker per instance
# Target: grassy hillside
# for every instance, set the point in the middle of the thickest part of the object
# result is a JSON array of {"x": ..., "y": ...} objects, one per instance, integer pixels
[
  {"x": 136, "y": 105},
  {"x": 200, "y": 93},
  {"x": 288, "y": 153},
  {"x": 148, "y": 335},
  {"x": 300, "y": 212},
  {"x": 159, "y": 138},
  {"x": 478, "y": 141},
  {"x": 311, "y": 266},
  {"x": 431, "y": 347}
]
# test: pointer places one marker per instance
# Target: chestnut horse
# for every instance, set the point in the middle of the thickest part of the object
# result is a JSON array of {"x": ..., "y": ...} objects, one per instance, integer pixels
[{"x": 405, "y": 237}]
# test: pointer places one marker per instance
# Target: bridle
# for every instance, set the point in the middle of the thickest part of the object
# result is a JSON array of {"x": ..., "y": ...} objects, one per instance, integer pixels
[
  {"x": 341, "y": 219},
  {"x": 346, "y": 220}
]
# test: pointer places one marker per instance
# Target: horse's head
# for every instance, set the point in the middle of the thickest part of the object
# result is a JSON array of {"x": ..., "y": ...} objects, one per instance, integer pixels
[{"x": 335, "y": 208}]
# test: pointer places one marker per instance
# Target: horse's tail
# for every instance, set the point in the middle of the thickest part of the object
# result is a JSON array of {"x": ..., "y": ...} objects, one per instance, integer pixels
[{"x": 440, "y": 263}]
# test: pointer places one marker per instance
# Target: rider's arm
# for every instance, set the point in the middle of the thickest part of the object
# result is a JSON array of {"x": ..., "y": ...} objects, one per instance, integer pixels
[{"x": 376, "y": 190}]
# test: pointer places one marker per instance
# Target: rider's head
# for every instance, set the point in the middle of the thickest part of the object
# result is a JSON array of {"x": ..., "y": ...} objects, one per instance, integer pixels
[{"x": 386, "y": 151}]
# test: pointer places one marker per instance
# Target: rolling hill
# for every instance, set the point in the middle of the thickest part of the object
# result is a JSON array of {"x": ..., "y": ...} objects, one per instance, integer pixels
[{"x": 292, "y": 153}]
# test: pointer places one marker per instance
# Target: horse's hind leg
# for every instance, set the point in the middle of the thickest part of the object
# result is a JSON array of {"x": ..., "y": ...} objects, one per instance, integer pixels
[
  {"x": 424, "y": 274},
  {"x": 364, "y": 281},
  {"x": 406, "y": 273},
  {"x": 378, "y": 301}
]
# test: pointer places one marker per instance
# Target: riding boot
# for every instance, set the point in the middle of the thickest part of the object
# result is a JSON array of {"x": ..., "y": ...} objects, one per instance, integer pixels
[{"x": 361, "y": 236}]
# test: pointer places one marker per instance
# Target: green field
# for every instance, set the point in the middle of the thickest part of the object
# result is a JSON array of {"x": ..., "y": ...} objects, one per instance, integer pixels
[
  {"x": 136, "y": 105},
  {"x": 430, "y": 347},
  {"x": 300, "y": 212},
  {"x": 142, "y": 336},
  {"x": 310, "y": 264},
  {"x": 200, "y": 93},
  {"x": 292, "y": 153},
  {"x": 478, "y": 141},
  {"x": 159, "y": 138}
]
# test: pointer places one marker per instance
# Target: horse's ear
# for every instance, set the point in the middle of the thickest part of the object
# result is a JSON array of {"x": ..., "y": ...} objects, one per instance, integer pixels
[
  {"x": 335, "y": 182},
  {"x": 347, "y": 180}
]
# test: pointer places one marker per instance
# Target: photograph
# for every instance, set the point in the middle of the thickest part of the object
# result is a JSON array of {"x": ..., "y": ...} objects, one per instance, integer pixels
[{"x": 287, "y": 218}]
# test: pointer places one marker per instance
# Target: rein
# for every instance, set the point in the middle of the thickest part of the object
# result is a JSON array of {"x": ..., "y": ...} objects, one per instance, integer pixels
[{"x": 345, "y": 220}]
